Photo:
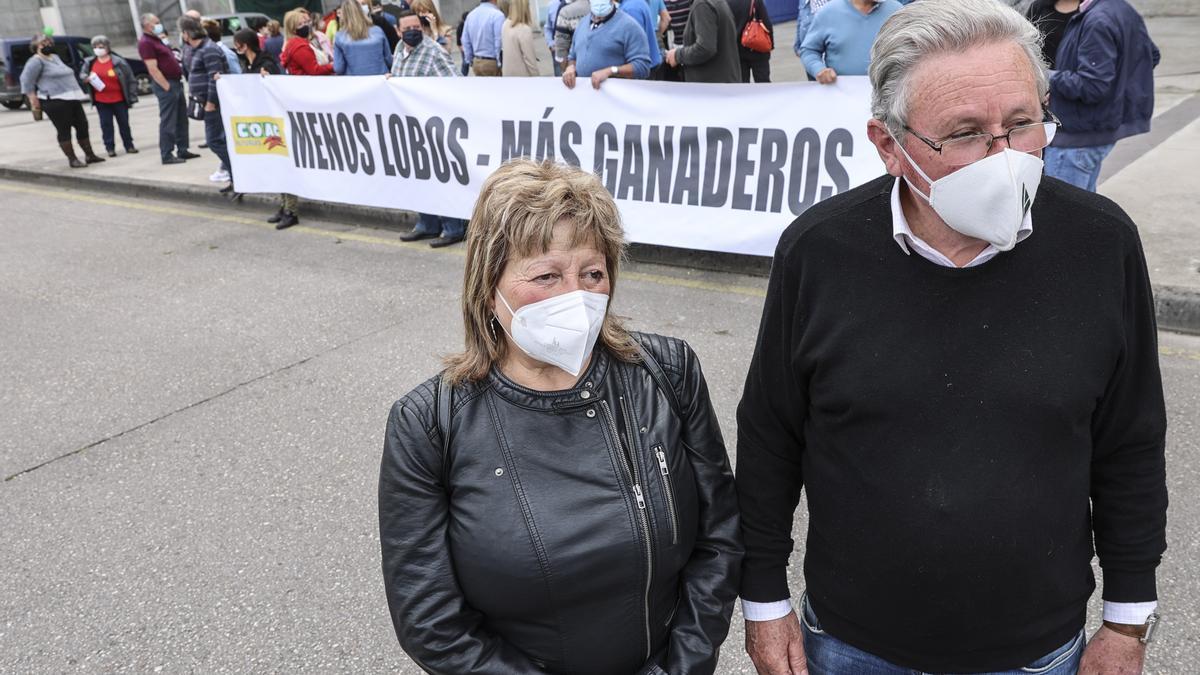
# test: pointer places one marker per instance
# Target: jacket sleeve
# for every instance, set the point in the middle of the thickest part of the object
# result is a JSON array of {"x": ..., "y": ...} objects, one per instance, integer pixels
[
  {"x": 387, "y": 50},
  {"x": 704, "y": 18},
  {"x": 771, "y": 439},
  {"x": 1096, "y": 67},
  {"x": 528, "y": 55},
  {"x": 339, "y": 57},
  {"x": 709, "y": 581},
  {"x": 128, "y": 82},
  {"x": 1129, "y": 490},
  {"x": 434, "y": 623},
  {"x": 214, "y": 62}
]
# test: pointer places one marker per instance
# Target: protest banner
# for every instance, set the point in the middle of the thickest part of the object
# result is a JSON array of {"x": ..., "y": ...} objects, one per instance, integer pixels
[{"x": 718, "y": 167}]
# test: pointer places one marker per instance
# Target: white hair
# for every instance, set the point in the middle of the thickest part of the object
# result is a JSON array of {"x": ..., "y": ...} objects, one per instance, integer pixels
[
  {"x": 101, "y": 40},
  {"x": 931, "y": 27}
]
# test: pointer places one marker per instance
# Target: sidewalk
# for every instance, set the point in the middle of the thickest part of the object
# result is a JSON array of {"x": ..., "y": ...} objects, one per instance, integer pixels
[{"x": 1154, "y": 177}]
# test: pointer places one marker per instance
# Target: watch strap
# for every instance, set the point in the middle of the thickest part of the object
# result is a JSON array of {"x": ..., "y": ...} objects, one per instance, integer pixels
[{"x": 1142, "y": 633}]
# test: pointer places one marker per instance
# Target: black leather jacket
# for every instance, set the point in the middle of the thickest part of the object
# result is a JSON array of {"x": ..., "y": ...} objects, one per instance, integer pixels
[{"x": 591, "y": 530}]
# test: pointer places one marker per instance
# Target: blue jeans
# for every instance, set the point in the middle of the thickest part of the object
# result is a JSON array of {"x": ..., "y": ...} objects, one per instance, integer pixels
[
  {"x": 450, "y": 228},
  {"x": 172, "y": 118},
  {"x": 107, "y": 112},
  {"x": 1078, "y": 166},
  {"x": 214, "y": 135},
  {"x": 828, "y": 655}
]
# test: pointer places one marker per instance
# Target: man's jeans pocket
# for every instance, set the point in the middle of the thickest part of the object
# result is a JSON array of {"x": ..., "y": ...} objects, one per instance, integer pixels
[{"x": 1065, "y": 659}]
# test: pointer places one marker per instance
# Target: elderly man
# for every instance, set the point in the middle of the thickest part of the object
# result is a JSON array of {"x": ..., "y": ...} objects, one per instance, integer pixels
[
  {"x": 166, "y": 81},
  {"x": 967, "y": 401},
  {"x": 838, "y": 42},
  {"x": 607, "y": 43}
]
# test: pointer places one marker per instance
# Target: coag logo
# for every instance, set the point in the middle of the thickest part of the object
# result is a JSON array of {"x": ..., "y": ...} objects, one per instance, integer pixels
[{"x": 259, "y": 136}]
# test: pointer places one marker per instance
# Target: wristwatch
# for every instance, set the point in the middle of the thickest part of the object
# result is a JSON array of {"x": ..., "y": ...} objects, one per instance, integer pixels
[
  {"x": 1144, "y": 633},
  {"x": 615, "y": 70}
]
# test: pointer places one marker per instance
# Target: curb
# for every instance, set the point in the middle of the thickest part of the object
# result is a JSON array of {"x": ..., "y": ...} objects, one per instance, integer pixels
[{"x": 1176, "y": 308}]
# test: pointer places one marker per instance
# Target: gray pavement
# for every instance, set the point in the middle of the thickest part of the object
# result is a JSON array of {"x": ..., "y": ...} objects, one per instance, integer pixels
[
  {"x": 193, "y": 412},
  {"x": 1154, "y": 177}
]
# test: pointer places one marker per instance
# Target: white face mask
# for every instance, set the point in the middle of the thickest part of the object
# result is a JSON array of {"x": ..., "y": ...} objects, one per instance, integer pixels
[
  {"x": 988, "y": 199},
  {"x": 561, "y": 330},
  {"x": 101, "y": 52}
]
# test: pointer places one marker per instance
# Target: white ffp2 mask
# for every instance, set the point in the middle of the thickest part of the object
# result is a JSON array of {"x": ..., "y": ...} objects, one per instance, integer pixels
[
  {"x": 987, "y": 199},
  {"x": 561, "y": 330}
]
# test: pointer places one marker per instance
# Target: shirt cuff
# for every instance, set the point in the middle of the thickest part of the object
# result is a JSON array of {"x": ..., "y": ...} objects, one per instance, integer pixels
[
  {"x": 769, "y": 611},
  {"x": 1132, "y": 613}
]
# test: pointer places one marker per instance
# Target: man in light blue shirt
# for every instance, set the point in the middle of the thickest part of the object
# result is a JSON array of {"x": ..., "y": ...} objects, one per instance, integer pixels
[
  {"x": 481, "y": 39},
  {"x": 839, "y": 40}
]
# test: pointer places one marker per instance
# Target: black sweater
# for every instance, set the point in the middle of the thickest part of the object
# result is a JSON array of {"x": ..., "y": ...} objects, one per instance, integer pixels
[{"x": 950, "y": 426}]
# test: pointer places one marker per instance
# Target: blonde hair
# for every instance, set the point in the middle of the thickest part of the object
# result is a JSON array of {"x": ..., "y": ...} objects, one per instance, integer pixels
[
  {"x": 291, "y": 21},
  {"x": 514, "y": 217},
  {"x": 353, "y": 22},
  {"x": 518, "y": 13},
  {"x": 420, "y": 7}
]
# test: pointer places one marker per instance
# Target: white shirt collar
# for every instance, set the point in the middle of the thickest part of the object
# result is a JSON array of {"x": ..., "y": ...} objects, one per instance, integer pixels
[{"x": 906, "y": 240}]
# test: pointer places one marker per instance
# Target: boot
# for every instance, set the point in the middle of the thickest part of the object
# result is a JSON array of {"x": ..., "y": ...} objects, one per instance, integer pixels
[
  {"x": 289, "y": 219},
  {"x": 91, "y": 157},
  {"x": 69, "y": 151},
  {"x": 277, "y": 217}
]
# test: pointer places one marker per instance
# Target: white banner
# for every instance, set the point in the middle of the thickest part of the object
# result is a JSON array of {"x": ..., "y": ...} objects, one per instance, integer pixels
[{"x": 704, "y": 166}]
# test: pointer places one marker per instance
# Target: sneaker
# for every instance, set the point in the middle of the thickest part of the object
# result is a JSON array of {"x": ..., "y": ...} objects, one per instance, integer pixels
[
  {"x": 188, "y": 155},
  {"x": 221, "y": 176}
]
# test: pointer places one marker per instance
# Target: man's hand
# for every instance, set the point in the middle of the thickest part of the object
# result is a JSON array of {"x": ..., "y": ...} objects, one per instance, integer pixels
[
  {"x": 827, "y": 76},
  {"x": 210, "y": 107},
  {"x": 777, "y": 647},
  {"x": 672, "y": 60},
  {"x": 599, "y": 76},
  {"x": 569, "y": 76},
  {"x": 1110, "y": 653}
]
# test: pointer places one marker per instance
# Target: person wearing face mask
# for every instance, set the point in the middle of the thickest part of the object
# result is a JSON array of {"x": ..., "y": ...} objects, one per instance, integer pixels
[
  {"x": 166, "y": 81},
  {"x": 957, "y": 365},
  {"x": 382, "y": 20},
  {"x": 838, "y": 42},
  {"x": 559, "y": 499},
  {"x": 113, "y": 89},
  {"x": 298, "y": 56},
  {"x": 208, "y": 64},
  {"x": 419, "y": 55},
  {"x": 51, "y": 87},
  {"x": 607, "y": 43},
  {"x": 359, "y": 47}
]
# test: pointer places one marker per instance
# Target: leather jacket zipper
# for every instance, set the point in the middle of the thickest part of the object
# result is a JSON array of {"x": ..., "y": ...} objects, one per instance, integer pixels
[
  {"x": 670, "y": 491},
  {"x": 631, "y": 474}
]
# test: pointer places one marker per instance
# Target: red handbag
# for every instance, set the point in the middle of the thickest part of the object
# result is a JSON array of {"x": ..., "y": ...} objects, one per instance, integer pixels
[{"x": 755, "y": 35}]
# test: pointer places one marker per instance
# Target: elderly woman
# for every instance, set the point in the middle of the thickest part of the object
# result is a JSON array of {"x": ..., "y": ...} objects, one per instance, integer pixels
[
  {"x": 114, "y": 89},
  {"x": 51, "y": 87},
  {"x": 559, "y": 499}
]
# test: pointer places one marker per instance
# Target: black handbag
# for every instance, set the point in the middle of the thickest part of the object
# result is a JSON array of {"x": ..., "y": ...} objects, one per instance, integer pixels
[{"x": 195, "y": 108}]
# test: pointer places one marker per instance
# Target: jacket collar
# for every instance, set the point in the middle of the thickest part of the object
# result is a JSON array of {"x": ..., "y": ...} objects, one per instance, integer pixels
[{"x": 586, "y": 392}]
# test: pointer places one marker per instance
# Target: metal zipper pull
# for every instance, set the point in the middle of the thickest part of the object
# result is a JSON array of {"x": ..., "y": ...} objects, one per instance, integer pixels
[
  {"x": 662, "y": 462},
  {"x": 637, "y": 492}
]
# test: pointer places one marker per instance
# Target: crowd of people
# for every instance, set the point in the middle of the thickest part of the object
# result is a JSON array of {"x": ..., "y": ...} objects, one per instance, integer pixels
[{"x": 1100, "y": 54}]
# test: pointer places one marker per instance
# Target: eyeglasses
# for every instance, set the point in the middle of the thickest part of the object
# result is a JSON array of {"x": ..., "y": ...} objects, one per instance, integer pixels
[{"x": 970, "y": 148}]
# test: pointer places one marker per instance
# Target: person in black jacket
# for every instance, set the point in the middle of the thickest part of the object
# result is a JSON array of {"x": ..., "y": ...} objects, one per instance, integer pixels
[
  {"x": 546, "y": 505},
  {"x": 754, "y": 63}
]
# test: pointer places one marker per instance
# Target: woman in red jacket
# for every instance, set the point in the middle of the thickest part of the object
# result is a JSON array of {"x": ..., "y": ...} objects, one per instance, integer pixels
[{"x": 298, "y": 57}]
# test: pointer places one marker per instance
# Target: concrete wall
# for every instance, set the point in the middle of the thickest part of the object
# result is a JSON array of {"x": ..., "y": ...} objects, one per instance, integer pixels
[
  {"x": 21, "y": 18},
  {"x": 80, "y": 17}
]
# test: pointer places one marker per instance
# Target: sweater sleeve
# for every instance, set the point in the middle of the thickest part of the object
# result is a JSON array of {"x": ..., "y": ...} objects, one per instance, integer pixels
[
  {"x": 433, "y": 621},
  {"x": 1096, "y": 67},
  {"x": 1129, "y": 490},
  {"x": 637, "y": 51},
  {"x": 812, "y": 50},
  {"x": 30, "y": 75},
  {"x": 771, "y": 438},
  {"x": 704, "y": 18},
  {"x": 387, "y": 49},
  {"x": 214, "y": 62}
]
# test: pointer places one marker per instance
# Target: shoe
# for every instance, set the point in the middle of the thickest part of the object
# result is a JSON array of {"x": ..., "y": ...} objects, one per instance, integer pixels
[
  {"x": 69, "y": 151},
  {"x": 188, "y": 155},
  {"x": 417, "y": 236},
  {"x": 221, "y": 176},
  {"x": 131, "y": 151},
  {"x": 287, "y": 220},
  {"x": 203, "y": 146},
  {"x": 441, "y": 242},
  {"x": 112, "y": 153},
  {"x": 88, "y": 155},
  {"x": 173, "y": 160},
  {"x": 277, "y": 217}
]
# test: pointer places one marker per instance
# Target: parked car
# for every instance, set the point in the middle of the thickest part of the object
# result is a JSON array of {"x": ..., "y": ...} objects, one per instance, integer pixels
[
  {"x": 72, "y": 49},
  {"x": 232, "y": 23}
]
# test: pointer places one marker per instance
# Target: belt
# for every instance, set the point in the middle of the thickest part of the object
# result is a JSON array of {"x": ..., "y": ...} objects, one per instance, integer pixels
[{"x": 485, "y": 58}]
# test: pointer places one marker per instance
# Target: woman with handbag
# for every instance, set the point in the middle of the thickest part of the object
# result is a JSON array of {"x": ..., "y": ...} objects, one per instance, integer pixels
[
  {"x": 50, "y": 86},
  {"x": 114, "y": 94},
  {"x": 756, "y": 38},
  {"x": 559, "y": 499}
]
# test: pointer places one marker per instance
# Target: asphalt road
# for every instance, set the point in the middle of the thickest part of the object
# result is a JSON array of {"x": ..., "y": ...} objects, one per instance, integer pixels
[{"x": 191, "y": 414}]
